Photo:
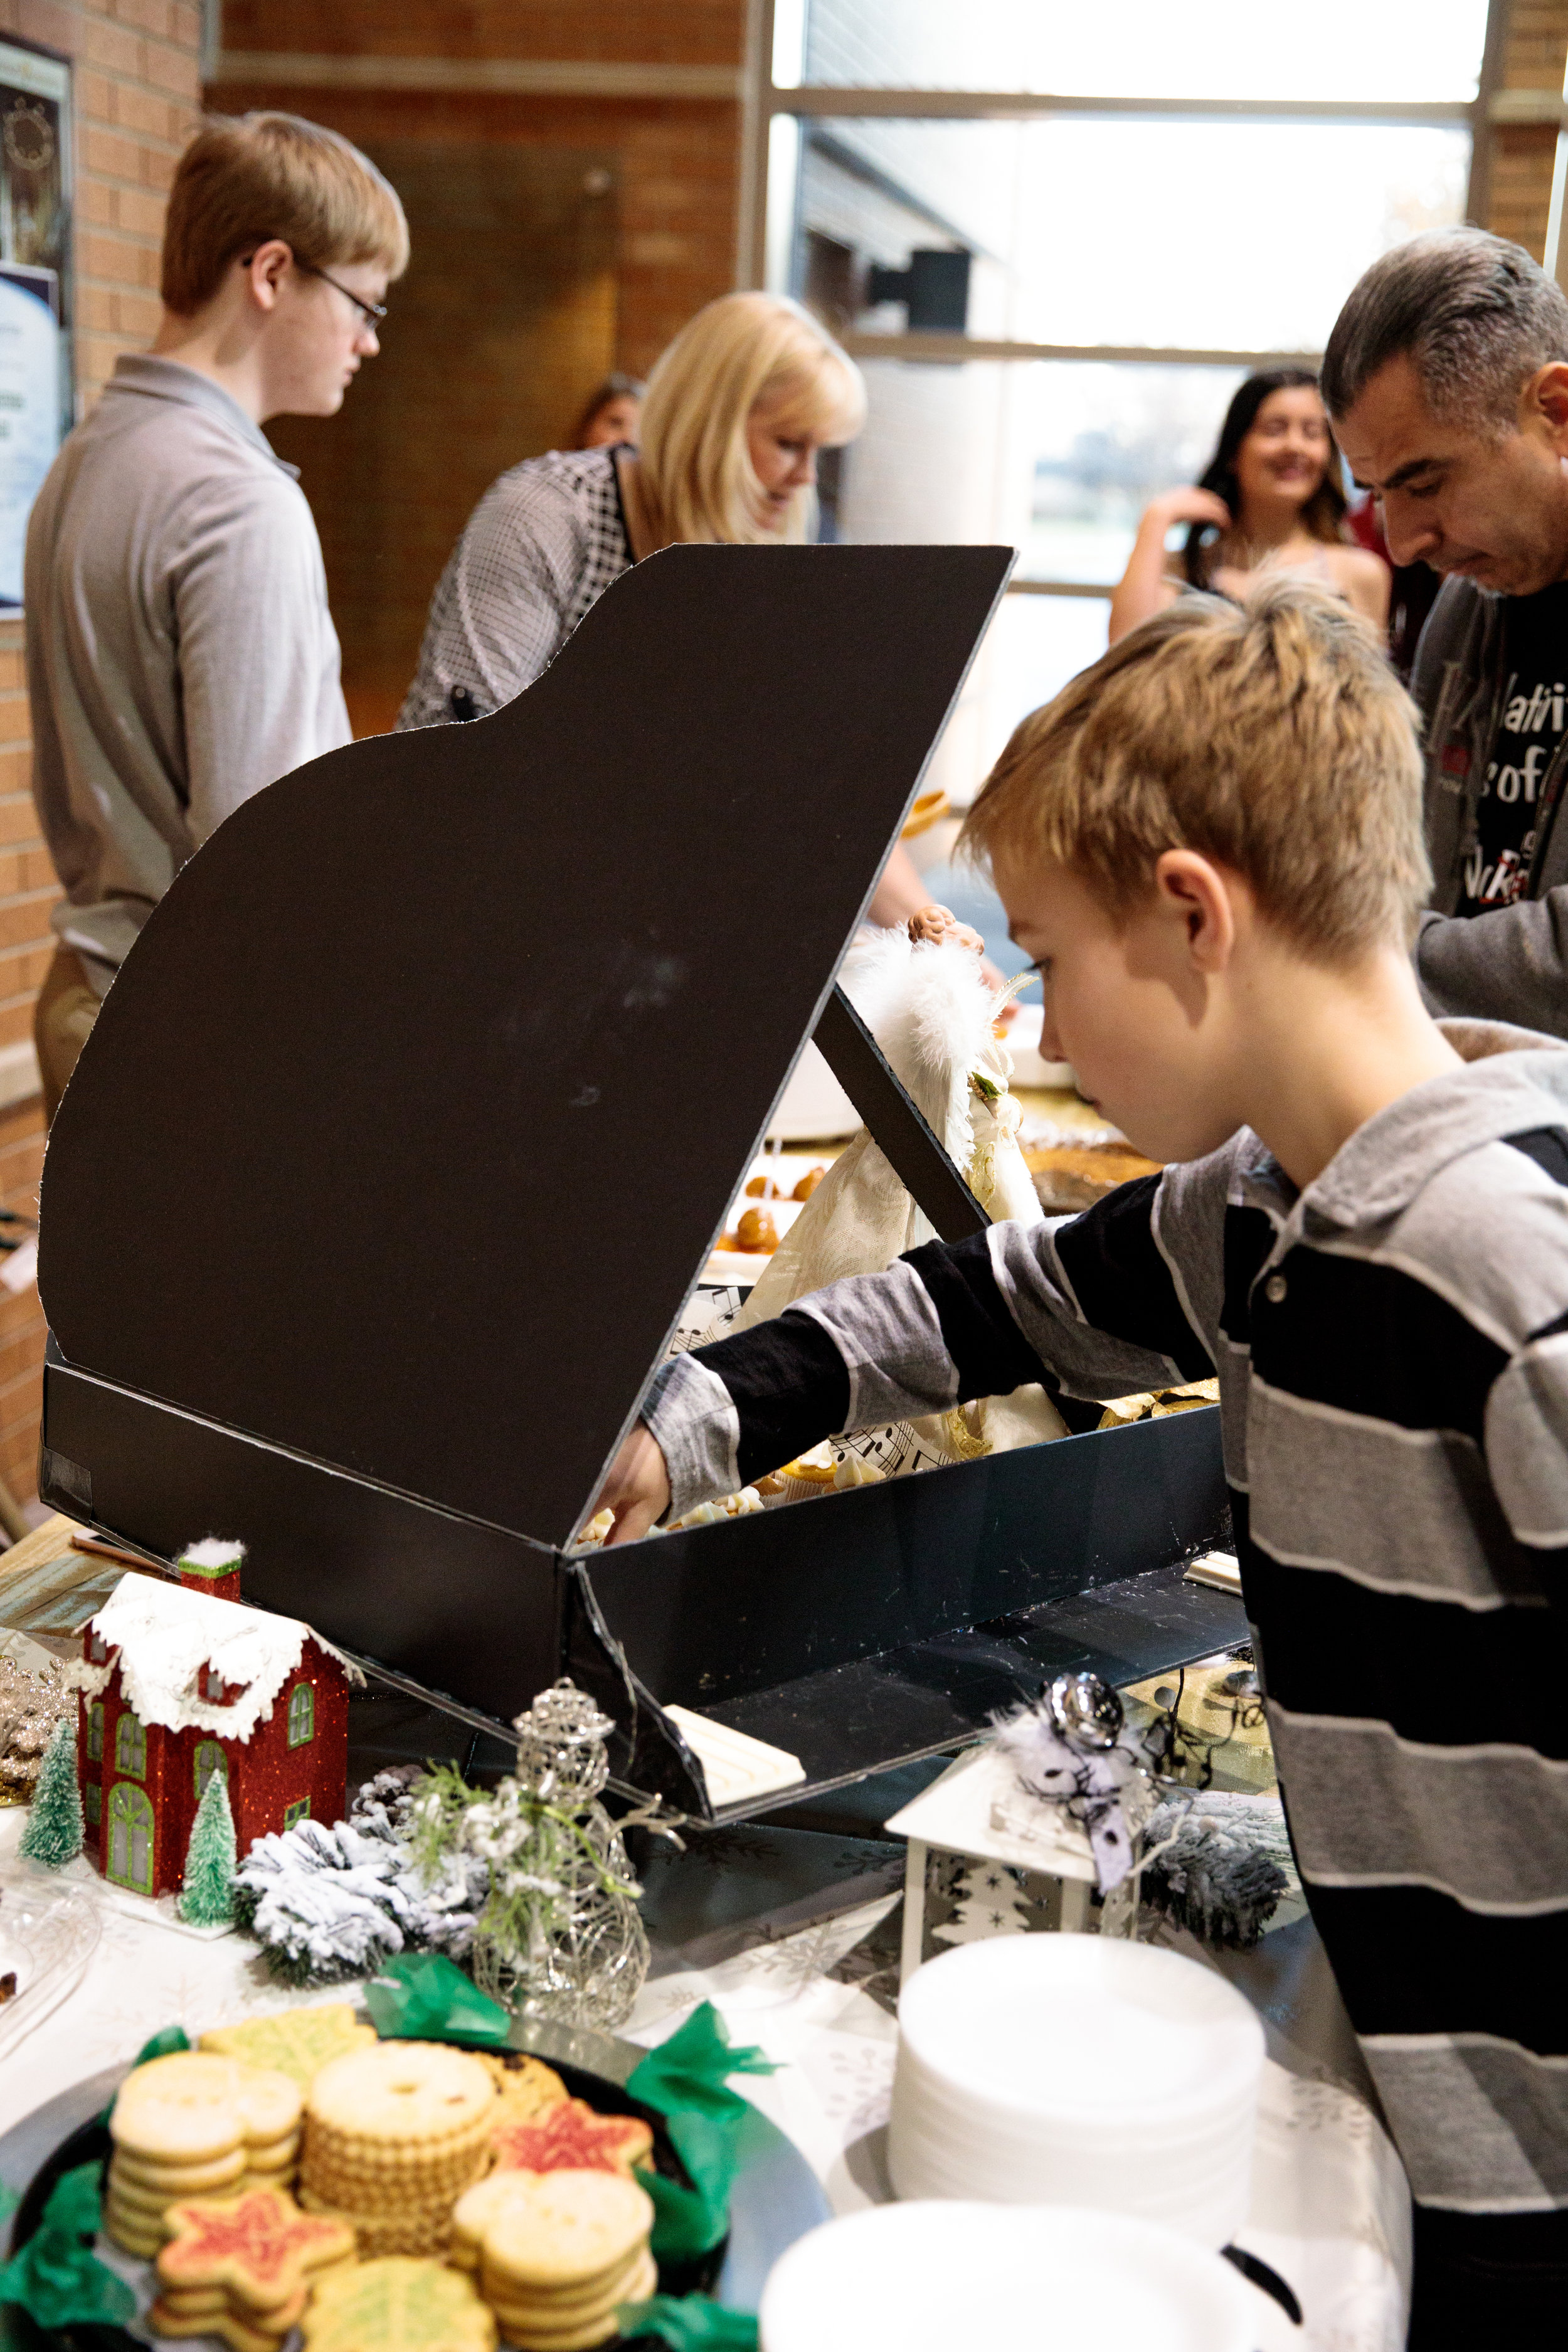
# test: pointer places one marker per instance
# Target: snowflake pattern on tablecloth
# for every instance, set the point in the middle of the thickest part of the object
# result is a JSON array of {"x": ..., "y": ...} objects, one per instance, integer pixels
[{"x": 856, "y": 2084}]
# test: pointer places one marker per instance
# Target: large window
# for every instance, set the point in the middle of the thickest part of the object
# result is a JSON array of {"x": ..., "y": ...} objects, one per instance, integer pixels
[{"x": 1057, "y": 239}]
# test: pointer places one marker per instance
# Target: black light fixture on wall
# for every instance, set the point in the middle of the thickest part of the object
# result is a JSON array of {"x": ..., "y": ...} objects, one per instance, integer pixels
[{"x": 934, "y": 288}]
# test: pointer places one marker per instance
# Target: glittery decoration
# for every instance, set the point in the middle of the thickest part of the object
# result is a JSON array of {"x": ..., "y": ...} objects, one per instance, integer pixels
[
  {"x": 258, "y": 2240},
  {"x": 560, "y": 1934},
  {"x": 571, "y": 2137},
  {"x": 32, "y": 1701}
]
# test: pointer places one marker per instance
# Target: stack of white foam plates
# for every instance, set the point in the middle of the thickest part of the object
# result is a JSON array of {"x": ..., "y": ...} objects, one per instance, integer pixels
[
  {"x": 1077, "y": 2070},
  {"x": 935, "y": 2278}
]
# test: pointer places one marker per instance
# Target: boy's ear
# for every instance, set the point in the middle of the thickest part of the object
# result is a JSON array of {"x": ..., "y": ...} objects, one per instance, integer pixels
[{"x": 1191, "y": 890}]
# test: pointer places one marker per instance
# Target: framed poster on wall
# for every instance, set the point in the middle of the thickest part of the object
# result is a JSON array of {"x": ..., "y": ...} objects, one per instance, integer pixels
[{"x": 36, "y": 397}]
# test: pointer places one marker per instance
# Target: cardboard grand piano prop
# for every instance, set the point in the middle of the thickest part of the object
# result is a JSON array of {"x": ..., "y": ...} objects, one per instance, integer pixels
[{"x": 404, "y": 1134}]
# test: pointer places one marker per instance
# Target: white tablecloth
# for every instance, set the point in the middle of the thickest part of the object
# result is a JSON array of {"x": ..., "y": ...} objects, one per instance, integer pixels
[{"x": 1330, "y": 2210}]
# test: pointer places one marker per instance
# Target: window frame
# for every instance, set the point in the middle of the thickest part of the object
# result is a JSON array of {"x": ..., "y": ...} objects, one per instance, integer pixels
[
  {"x": 305, "y": 1692},
  {"x": 203, "y": 1751},
  {"x": 128, "y": 1723},
  {"x": 765, "y": 246}
]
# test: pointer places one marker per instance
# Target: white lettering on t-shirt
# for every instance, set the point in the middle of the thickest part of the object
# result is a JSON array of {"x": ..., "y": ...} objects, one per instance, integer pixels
[{"x": 1526, "y": 712}]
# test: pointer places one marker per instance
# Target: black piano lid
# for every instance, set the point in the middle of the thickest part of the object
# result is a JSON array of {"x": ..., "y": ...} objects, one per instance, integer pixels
[{"x": 406, "y": 1130}]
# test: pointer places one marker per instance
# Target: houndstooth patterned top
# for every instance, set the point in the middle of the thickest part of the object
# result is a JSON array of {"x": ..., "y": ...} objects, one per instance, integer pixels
[{"x": 544, "y": 544}]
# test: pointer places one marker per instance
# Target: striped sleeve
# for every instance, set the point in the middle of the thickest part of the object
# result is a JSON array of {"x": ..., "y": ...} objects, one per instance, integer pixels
[{"x": 1097, "y": 1305}]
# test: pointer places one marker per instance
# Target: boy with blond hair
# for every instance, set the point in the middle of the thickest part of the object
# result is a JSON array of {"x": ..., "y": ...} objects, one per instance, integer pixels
[
  {"x": 180, "y": 651},
  {"x": 1211, "y": 845}
]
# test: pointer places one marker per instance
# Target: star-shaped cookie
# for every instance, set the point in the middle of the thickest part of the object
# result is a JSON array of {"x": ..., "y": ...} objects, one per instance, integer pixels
[
  {"x": 571, "y": 2137},
  {"x": 259, "y": 2248}
]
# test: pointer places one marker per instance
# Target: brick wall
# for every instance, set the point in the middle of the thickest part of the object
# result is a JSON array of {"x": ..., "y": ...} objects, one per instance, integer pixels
[
  {"x": 1524, "y": 154},
  {"x": 136, "y": 96},
  {"x": 677, "y": 160},
  {"x": 488, "y": 360}
]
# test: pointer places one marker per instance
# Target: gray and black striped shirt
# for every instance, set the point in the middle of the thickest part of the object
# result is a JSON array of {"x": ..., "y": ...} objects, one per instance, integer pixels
[{"x": 1392, "y": 1347}]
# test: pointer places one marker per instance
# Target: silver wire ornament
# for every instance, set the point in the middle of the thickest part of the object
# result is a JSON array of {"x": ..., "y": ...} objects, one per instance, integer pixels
[{"x": 560, "y": 1936}]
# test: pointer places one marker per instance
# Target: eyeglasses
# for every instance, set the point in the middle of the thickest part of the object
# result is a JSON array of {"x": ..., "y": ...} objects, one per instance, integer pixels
[{"x": 370, "y": 312}]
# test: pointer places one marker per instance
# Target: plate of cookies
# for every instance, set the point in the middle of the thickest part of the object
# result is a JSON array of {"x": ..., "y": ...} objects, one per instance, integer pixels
[{"x": 296, "y": 2184}]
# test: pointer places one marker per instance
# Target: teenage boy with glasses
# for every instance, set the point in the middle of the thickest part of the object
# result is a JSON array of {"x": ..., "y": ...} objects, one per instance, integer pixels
[{"x": 180, "y": 651}]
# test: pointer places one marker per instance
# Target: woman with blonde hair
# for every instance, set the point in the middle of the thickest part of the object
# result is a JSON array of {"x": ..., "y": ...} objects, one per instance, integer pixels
[{"x": 736, "y": 410}]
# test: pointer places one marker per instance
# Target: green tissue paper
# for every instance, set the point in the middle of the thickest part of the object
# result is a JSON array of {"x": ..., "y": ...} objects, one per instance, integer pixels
[
  {"x": 425, "y": 1996},
  {"x": 689, "y": 2324},
  {"x": 57, "y": 2278},
  {"x": 165, "y": 2045},
  {"x": 687, "y": 2079}
]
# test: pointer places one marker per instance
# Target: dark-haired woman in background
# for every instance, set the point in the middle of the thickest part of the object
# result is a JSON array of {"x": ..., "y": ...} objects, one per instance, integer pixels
[
  {"x": 1269, "y": 501},
  {"x": 613, "y": 414}
]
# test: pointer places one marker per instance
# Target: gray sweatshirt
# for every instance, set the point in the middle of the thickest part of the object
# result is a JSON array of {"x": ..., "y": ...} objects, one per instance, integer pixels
[
  {"x": 1511, "y": 963},
  {"x": 180, "y": 651},
  {"x": 1392, "y": 1350}
]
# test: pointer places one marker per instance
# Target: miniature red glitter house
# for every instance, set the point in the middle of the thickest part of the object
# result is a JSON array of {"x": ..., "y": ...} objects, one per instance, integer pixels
[{"x": 176, "y": 1686}]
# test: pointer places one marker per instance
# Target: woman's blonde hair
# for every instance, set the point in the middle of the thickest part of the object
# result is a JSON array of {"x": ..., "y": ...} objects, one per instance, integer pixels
[
  {"x": 245, "y": 178},
  {"x": 695, "y": 469}
]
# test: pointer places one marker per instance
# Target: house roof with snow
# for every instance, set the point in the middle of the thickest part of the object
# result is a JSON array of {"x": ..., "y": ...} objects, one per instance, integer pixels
[{"x": 165, "y": 1634}]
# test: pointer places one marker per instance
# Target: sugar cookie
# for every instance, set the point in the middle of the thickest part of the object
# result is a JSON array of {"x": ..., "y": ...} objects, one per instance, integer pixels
[{"x": 397, "y": 2305}]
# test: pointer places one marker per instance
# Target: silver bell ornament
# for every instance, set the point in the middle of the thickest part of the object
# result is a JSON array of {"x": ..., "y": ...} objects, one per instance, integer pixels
[{"x": 1084, "y": 1711}]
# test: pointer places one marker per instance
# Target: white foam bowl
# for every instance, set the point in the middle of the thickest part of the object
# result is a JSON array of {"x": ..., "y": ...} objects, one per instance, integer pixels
[
  {"x": 933, "y": 2278},
  {"x": 1077, "y": 2070}
]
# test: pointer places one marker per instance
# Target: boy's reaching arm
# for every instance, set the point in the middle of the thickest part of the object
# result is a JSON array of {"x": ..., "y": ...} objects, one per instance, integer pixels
[{"x": 1092, "y": 1305}]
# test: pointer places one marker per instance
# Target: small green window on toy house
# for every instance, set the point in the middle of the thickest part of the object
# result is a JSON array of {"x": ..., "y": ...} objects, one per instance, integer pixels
[
  {"x": 95, "y": 1732},
  {"x": 298, "y": 1812},
  {"x": 95, "y": 1800},
  {"x": 301, "y": 1714},
  {"x": 131, "y": 1748},
  {"x": 210, "y": 1759}
]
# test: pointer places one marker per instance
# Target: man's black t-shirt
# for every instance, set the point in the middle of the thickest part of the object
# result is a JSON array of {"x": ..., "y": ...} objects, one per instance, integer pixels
[{"x": 1534, "y": 713}]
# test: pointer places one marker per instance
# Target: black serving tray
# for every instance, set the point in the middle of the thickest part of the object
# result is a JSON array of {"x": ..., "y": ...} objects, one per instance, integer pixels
[{"x": 776, "y": 2197}]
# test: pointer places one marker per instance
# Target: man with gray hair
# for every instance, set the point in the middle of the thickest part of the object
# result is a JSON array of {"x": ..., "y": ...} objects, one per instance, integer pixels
[{"x": 1447, "y": 378}]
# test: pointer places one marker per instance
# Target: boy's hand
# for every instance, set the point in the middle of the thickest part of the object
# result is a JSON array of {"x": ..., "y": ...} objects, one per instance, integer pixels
[{"x": 637, "y": 1487}]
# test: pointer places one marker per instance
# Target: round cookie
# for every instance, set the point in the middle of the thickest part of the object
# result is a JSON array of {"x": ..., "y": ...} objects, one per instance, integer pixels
[
  {"x": 132, "y": 2230},
  {"x": 553, "y": 2305},
  {"x": 193, "y": 2108},
  {"x": 402, "y": 2095},
  {"x": 572, "y": 2225},
  {"x": 180, "y": 2179},
  {"x": 532, "y": 2332},
  {"x": 150, "y": 2204},
  {"x": 548, "y": 2314}
]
